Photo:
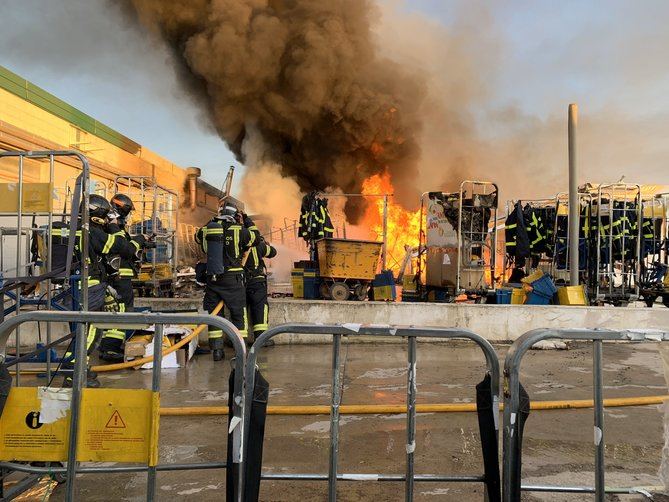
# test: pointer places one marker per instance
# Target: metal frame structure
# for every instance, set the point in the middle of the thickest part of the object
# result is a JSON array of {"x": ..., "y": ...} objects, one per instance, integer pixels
[
  {"x": 337, "y": 331},
  {"x": 546, "y": 263},
  {"x": 562, "y": 274},
  {"x": 20, "y": 230},
  {"x": 486, "y": 239},
  {"x": 606, "y": 275},
  {"x": 474, "y": 238},
  {"x": 150, "y": 193},
  {"x": 511, "y": 436},
  {"x": 102, "y": 319}
]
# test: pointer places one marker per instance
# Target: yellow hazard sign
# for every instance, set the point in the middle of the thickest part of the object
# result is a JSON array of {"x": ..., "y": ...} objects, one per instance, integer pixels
[{"x": 117, "y": 425}]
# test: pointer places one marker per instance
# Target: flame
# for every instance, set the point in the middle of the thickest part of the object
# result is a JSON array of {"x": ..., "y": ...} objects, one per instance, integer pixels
[{"x": 403, "y": 225}]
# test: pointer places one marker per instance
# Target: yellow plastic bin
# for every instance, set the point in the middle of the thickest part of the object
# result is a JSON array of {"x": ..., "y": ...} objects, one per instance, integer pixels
[
  {"x": 297, "y": 280},
  {"x": 572, "y": 295},
  {"x": 518, "y": 296}
]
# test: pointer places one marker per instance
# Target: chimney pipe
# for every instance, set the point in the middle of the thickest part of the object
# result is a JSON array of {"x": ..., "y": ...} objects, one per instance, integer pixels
[{"x": 193, "y": 174}]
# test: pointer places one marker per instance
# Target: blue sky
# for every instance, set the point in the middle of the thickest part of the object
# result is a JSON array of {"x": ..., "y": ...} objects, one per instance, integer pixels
[{"x": 607, "y": 55}]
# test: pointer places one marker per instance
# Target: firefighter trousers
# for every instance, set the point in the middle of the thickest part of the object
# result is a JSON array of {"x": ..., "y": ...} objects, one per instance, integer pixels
[
  {"x": 96, "y": 303},
  {"x": 231, "y": 290},
  {"x": 256, "y": 301},
  {"x": 113, "y": 339}
]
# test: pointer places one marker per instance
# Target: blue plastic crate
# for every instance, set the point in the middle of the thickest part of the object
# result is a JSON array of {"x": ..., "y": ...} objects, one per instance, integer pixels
[
  {"x": 504, "y": 296},
  {"x": 544, "y": 287},
  {"x": 534, "y": 298}
]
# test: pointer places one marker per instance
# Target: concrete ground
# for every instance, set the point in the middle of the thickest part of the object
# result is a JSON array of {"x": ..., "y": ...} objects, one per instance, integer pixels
[{"x": 558, "y": 445}]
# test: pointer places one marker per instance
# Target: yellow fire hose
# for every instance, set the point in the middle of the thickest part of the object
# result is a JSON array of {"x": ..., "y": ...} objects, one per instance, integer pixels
[
  {"x": 395, "y": 409},
  {"x": 168, "y": 350}
]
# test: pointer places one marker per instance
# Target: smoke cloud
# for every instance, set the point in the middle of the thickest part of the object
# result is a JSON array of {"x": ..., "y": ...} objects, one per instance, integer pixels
[{"x": 304, "y": 77}]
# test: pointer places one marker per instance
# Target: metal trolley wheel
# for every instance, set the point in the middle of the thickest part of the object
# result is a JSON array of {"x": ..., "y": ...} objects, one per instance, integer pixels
[
  {"x": 339, "y": 291},
  {"x": 325, "y": 291},
  {"x": 360, "y": 291}
]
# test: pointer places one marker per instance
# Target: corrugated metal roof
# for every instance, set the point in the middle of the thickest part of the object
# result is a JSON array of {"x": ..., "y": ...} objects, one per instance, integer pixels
[{"x": 37, "y": 96}]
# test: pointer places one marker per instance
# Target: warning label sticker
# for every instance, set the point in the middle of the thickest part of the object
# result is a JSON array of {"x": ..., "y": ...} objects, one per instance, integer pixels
[
  {"x": 117, "y": 425},
  {"x": 115, "y": 422}
]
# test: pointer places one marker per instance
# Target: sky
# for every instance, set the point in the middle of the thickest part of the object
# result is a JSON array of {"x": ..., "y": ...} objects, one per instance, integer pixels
[{"x": 609, "y": 56}]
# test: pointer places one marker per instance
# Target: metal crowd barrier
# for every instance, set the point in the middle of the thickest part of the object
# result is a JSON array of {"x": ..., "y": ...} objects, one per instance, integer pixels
[
  {"x": 512, "y": 435},
  {"x": 103, "y": 319},
  {"x": 337, "y": 331}
]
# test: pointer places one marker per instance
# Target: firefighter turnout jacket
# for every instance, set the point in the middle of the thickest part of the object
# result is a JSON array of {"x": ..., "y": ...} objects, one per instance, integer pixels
[
  {"x": 255, "y": 267},
  {"x": 224, "y": 243},
  {"x": 101, "y": 246}
]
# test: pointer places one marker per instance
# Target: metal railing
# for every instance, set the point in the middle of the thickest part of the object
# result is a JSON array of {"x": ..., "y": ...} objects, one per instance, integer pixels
[
  {"x": 102, "y": 319},
  {"x": 337, "y": 331},
  {"x": 512, "y": 430}
]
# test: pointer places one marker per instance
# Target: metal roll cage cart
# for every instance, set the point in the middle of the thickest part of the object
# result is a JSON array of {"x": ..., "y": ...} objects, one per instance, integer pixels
[
  {"x": 337, "y": 332},
  {"x": 654, "y": 250},
  {"x": 106, "y": 319},
  {"x": 546, "y": 263},
  {"x": 607, "y": 276},
  {"x": 52, "y": 297},
  {"x": 156, "y": 212},
  {"x": 512, "y": 434},
  {"x": 560, "y": 265},
  {"x": 473, "y": 276}
]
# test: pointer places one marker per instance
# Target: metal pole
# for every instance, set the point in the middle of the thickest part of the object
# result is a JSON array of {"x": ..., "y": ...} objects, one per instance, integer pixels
[
  {"x": 334, "y": 419},
  {"x": 384, "y": 258},
  {"x": 49, "y": 261},
  {"x": 155, "y": 387},
  {"x": 78, "y": 379},
  {"x": 19, "y": 231},
  {"x": 599, "y": 420},
  {"x": 574, "y": 206},
  {"x": 411, "y": 419}
]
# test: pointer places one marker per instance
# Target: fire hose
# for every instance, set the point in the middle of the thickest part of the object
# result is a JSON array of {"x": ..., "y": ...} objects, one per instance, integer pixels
[
  {"x": 396, "y": 409},
  {"x": 168, "y": 350}
]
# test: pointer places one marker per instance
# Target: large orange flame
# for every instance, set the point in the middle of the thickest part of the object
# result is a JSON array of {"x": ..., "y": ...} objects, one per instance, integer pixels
[{"x": 403, "y": 225}]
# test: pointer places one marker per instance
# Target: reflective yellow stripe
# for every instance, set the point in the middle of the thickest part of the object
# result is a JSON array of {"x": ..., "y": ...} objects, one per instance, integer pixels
[
  {"x": 115, "y": 334},
  {"x": 254, "y": 254},
  {"x": 260, "y": 327},
  {"x": 509, "y": 244},
  {"x": 238, "y": 269},
  {"x": 126, "y": 272},
  {"x": 136, "y": 244},
  {"x": 212, "y": 231},
  {"x": 108, "y": 245},
  {"x": 513, "y": 225},
  {"x": 268, "y": 251},
  {"x": 215, "y": 333},
  {"x": 235, "y": 236}
]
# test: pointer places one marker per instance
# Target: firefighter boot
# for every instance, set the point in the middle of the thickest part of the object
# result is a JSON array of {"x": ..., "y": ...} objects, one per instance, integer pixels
[{"x": 216, "y": 346}]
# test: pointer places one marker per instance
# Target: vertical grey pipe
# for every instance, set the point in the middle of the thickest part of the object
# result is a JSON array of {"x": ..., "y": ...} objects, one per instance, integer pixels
[
  {"x": 19, "y": 231},
  {"x": 574, "y": 206},
  {"x": 78, "y": 379},
  {"x": 49, "y": 265},
  {"x": 411, "y": 419},
  {"x": 334, "y": 419},
  {"x": 155, "y": 387},
  {"x": 384, "y": 259},
  {"x": 599, "y": 420}
]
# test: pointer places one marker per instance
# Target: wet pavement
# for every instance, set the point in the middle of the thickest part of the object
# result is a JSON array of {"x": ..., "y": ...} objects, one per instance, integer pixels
[{"x": 558, "y": 445}]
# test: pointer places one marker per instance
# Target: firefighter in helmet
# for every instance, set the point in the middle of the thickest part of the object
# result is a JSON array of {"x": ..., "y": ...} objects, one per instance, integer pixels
[
  {"x": 255, "y": 270},
  {"x": 224, "y": 241},
  {"x": 120, "y": 278},
  {"x": 102, "y": 246}
]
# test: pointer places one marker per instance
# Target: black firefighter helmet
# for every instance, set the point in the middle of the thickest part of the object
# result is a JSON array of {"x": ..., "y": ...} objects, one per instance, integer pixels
[
  {"x": 98, "y": 208},
  {"x": 122, "y": 204}
]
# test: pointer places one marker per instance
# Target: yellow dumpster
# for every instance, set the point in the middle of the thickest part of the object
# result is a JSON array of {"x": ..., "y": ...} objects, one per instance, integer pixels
[{"x": 347, "y": 267}]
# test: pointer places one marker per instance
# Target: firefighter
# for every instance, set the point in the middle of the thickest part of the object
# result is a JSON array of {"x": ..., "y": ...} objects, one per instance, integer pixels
[
  {"x": 256, "y": 286},
  {"x": 224, "y": 241},
  {"x": 111, "y": 346},
  {"x": 101, "y": 246}
]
